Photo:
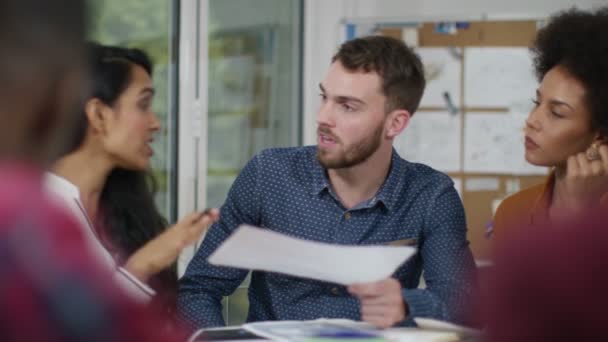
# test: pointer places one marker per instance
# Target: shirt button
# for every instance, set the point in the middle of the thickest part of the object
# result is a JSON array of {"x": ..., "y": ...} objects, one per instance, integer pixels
[
  {"x": 335, "y": 291},
  {"x": 347, "y": 215}
]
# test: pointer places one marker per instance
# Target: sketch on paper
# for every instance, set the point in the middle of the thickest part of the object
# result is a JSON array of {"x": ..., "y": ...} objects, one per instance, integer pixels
[
  {"x": 442, "y": 68},
  {"x": 494, "y": 143},
  {"x": 432, "y": 138},
  {"x": 498, "y": 77}
]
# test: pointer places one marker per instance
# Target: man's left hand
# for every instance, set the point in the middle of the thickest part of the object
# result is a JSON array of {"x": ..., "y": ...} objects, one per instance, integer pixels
[{"x": 382, "y": 302}]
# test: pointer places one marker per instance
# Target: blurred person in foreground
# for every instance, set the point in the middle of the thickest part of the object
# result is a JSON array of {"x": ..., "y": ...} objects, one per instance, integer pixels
[
  {"x": 50, "y": 287},
  {"x": 550, "y": 285},
  {"x": 549, "y": 282}
]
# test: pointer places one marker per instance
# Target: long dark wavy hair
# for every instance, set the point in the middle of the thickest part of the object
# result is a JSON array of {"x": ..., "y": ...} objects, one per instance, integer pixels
[{"x": 128, "y": 216}]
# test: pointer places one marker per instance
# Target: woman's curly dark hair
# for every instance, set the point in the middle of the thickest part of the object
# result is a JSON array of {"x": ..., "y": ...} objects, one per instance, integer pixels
[{"x": 577, "y": 40}]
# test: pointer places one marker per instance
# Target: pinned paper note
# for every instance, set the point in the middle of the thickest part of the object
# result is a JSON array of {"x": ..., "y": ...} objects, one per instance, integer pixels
[
  {"x": 410, "y": 36},
  {"x": 498, "y": 76},
  {"x": 494, "y": 143},
  {"x": 442, "y": 71},
  {"x": 482, "y": 184},
  {"x": 432, "y": 138}
]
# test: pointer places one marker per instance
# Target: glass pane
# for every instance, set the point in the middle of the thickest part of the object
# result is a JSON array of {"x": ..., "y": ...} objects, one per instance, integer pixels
[
  {"x": 254, "y": 94},
  {"x": 148, "y": 25},
  {"x": 254, "y": 83}
]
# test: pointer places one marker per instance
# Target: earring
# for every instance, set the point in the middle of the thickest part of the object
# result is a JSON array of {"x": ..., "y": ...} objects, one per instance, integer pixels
[{"x": 592, "y": 152}]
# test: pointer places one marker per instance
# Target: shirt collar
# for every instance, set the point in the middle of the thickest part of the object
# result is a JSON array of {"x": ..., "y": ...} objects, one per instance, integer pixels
[
  {"x": 59, "y": 185},
  {"x": 394, "y": 182},
  {"x": 388, "y": 192},
  {"x": 320, "y": 181}
]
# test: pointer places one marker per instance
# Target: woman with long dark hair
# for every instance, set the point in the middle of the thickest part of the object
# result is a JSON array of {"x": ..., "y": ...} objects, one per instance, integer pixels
[{"x": 104, "y": 178}]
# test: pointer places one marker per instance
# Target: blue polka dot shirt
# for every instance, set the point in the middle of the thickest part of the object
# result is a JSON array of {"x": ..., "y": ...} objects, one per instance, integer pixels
[{"x": 288, "y": 191}]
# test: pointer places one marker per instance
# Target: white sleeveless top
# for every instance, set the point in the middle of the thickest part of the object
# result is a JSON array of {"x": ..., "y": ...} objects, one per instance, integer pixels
[{"x": 68, "y": 196}]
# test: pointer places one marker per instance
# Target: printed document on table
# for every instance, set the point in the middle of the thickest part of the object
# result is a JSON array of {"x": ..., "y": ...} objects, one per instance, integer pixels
[
  {"x": 255, "y": 248},
  {"x": 325, "y": 329}
]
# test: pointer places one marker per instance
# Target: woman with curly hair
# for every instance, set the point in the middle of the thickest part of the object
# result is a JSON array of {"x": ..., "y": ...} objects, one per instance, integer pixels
[
  {"x": 568, "y": 128},
  {"x": 549, "y": 282}
]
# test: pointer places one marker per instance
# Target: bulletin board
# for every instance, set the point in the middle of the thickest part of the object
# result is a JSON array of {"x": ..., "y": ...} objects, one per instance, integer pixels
[{"x": 477, "y": 120}]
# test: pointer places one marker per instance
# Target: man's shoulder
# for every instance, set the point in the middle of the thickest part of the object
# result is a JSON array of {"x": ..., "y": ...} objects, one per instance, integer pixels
[
  {"x": 286, "y": 155},
  {"x": 425, "y": 175}
]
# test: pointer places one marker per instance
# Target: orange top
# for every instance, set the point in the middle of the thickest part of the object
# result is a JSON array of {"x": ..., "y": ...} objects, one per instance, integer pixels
[{"x": 529, "y": 207}]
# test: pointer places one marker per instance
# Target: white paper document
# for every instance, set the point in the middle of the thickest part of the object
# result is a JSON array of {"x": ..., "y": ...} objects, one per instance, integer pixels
[
  {"x": 432, "y": 138},
  {"x": 300, "y": 331},
  {"x": 437, "y": 325},
  {"x": 255, "y": 248},
  {"x": 419, "y": 335},
  {"x": 432, "y": 330}
]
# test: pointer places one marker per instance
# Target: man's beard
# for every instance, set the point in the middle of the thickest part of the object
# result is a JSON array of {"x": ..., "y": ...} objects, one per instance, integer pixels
[{"x": 355, "y": 154}]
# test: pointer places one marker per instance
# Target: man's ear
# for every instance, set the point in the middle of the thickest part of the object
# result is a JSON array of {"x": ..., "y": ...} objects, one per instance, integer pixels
[
  {"x": 396, "y": 122},
  {"x": 96, "y": 112}
]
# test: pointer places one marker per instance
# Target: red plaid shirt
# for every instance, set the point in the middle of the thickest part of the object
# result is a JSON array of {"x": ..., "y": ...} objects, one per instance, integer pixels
[
  {"x": 50, "y": 288},
  {"x": 550, "y": 283}
]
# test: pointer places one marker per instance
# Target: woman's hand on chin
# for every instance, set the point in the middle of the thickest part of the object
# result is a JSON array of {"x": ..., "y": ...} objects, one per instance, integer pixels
[{"x": 586, "y": 180}]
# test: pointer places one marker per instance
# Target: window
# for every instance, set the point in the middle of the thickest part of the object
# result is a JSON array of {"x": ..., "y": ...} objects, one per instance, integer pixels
[{"x": 254, "y": 95}]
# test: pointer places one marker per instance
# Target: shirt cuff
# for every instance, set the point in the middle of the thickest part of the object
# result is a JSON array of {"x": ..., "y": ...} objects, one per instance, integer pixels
[
  {"x": 135, "y": 287},
  {"x": 419, "y": 304}
]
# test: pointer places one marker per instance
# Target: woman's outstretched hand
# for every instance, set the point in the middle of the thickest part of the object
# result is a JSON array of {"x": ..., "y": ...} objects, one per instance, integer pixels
[{"x": 162, "y": 251}]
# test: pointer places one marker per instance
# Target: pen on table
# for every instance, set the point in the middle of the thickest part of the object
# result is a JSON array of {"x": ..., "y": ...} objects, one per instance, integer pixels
[{"x": 347, "y": 334}]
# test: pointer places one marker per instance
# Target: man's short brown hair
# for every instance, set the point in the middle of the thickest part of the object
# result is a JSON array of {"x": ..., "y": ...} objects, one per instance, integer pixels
[{"x": 400, "y": 69}]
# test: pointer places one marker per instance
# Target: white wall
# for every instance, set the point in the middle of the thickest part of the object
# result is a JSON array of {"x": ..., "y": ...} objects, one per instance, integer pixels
[
  {"x": 323, "y": 33},
  {"x": 396, "y": 8}
]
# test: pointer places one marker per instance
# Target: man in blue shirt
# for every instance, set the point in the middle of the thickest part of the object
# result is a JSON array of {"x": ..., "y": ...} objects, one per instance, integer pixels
[{"x": 352, "y": 188}]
